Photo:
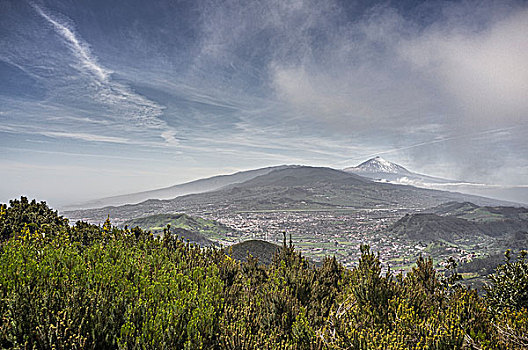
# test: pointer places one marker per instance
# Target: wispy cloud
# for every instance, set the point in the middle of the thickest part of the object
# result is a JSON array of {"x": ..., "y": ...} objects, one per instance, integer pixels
[
  {"x": 85, "y": 137},
  {"x": 118, "y": 100},
  {"x": 78, "y": 155},
  {"x": 80, "y": 49}
]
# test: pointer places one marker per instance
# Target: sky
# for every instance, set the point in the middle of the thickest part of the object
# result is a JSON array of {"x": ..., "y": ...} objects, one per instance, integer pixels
[{"x": 99, "y": 98}]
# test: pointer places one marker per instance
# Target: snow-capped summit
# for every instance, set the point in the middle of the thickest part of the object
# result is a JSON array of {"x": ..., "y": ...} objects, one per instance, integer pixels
[
  {"x": 378, "y": 165},
  {"x": 381, "y": 170}
]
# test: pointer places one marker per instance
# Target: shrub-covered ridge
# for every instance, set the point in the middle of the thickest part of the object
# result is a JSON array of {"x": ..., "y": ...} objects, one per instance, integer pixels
[{"x": 85, "y": 286}]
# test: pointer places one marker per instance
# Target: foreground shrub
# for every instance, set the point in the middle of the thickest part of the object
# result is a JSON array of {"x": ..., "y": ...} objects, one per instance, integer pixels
[
  {"x": 509, "y": 284},
  {"x": 417, "y": 311},
  {"x": 91, "y": 287},
  {"x": 122, "y": 293}
]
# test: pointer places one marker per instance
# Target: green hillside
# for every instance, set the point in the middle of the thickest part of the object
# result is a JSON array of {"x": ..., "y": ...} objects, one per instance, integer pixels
[
  {"x": 476, "y": 236},
  {"x": 481, "y": 214},
  {"x": 189, "y": 227}
]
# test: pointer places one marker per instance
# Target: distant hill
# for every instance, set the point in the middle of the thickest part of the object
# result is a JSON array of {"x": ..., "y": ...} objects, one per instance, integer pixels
[
  {"x": 198, "y": 186},
  {"x": 292, "y": 188},
  {"x": 453, "y": 220},
  {"x": 476, "y": 236},
  {"x": 193, "y": 229},
  {"x": 477, "y": 213},
  {"x": 453, "y": 208},
  {"x": 262, "y": 250},
  {"x": 497, "y": 221},
  {"x": 193, "y": 237},
  {"x": 432, "y": 227}
]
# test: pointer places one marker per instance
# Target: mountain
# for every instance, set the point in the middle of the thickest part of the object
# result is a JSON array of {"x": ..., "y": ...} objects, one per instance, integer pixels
[
  {"x": 262, "y": 250},
  {"x": 197, "y": 186},
  {"x": 292, "y": 188},
  {"x": 382, "y": 170},
  {"x": 377, "y": 169},
  {"x": 378, "y": 165},
  {"x": 194, "y": 229}
]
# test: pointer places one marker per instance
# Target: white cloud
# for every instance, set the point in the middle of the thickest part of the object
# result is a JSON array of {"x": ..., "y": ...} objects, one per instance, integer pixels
[
  {"x": 485, "y": 72},
  {"x": 170, "y": 137}
]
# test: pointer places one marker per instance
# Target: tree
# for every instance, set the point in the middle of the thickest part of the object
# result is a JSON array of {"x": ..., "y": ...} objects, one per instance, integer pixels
[{"x": 37, "y": 217}]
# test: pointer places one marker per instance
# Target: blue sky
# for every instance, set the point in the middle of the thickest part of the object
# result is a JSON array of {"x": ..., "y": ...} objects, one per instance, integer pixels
[{"x": 99, "y": 98}]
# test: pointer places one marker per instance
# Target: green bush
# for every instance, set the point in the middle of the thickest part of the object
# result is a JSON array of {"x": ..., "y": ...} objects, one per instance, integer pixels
[
  {"x": 86, "y": 286},
  {"x": 120, "y": 293},
  {"x": 509, "y": 284},
  {"x": 21, "y": 214}
]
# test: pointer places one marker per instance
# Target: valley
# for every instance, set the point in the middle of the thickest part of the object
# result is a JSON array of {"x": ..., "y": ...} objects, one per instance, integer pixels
[
  {"x": 329, "y": 212},
  {"x": 340, "y": 233},
  {"x": 322, "y": 233}
]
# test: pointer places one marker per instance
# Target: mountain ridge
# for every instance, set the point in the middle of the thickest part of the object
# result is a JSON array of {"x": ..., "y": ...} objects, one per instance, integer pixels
[
  {"x": 196, "y": 186},
  {"x": 298, "y": 188},
  {"x": 374, "y": 169}
]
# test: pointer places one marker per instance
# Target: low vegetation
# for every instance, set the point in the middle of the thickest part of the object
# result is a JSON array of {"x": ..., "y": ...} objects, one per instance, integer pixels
[{"x": 91, "y": 287}]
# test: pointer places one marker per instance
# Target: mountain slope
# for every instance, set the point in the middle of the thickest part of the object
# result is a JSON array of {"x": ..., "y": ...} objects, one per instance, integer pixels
[
  {"x": 299, "y": 188},
  {"x": 301, "y": 176},
  {"x": 197, "y": 186}
]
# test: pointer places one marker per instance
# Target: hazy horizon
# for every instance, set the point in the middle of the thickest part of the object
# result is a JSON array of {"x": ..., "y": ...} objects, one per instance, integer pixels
[{"x": 105, "y": 98}]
